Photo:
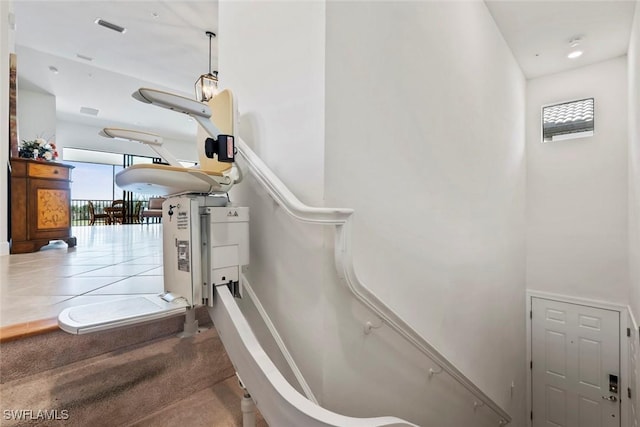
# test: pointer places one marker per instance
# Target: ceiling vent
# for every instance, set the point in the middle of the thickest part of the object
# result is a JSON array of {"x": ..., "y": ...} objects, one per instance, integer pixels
[
  {"x": 110, "y": 26},
  {"x": 85, "y": 57},
  {"x": 89, "y": 111}
]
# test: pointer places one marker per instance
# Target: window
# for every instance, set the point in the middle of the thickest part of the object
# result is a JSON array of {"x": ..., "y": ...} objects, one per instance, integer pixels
[
  {"x": 93, "y": 181},
  {"x": 568, "y": 120}
]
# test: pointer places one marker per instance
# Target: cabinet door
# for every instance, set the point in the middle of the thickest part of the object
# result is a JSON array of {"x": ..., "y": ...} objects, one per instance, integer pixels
[{"x": 50, "y": 209}]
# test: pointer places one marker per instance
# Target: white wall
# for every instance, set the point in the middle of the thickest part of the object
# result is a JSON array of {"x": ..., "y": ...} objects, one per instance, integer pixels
[
  {"x": 634, "y": 163},
  {"x": 37, "y": 118},
  {"x": 577, "y": 189},
  {"x": 439, "y": 230},
  {"x": 75, "y": 135},
  {"x": 36, "y": 115},
  {"x": 425, "y": 139},
  {"x": 271, "y": 54},
  {"x": 634, "y": 206},
  {"x": 7, "y": 45},
  {"x": 279, "y": 80}
]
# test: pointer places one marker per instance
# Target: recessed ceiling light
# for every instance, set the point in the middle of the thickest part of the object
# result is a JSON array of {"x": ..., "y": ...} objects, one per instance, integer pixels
[
  {"x": 574, "y": 54},
  {"x": 110, "y": 25},
  {"x": 53, "y": 69}
]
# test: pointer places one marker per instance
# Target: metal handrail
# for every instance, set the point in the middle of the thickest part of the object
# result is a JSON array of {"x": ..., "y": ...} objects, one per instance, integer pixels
[{"x": 341, "y": 219}]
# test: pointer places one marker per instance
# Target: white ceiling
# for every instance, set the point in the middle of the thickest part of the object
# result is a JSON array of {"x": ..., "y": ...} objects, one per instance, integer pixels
[
  {"x": 164, "y": 46},
  {"x": 538, "y": 31},
  {"x": 170, "y": 50}
]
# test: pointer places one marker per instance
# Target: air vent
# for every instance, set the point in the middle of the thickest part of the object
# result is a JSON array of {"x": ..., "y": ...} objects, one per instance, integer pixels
[
  {"x": 89, "y": 111},
  {"x": 86, "y": 58},
  {"x": 110, "y": 26}
]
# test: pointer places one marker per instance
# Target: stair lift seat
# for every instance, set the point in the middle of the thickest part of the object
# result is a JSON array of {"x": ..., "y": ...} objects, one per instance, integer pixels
[
  {"x": 210, "y": 177},
  {"x": 157, "y": 179},
  {"x": 192, "y": 194}
]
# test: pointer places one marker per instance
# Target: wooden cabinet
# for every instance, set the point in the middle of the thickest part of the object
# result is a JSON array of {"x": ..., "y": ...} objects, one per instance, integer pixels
[{"x": 40, "y": 204}]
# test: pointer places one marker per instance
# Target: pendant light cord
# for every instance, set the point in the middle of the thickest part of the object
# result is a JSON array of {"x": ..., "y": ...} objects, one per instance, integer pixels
[{"x": 210, "y": 35}]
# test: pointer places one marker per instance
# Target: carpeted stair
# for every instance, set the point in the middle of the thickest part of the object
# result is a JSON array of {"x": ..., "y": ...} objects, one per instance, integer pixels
[{"x": 137, "y": 376}]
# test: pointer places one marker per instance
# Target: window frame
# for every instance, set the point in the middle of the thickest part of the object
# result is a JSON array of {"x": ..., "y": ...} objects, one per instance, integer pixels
[{"x": 567, "y": 136}]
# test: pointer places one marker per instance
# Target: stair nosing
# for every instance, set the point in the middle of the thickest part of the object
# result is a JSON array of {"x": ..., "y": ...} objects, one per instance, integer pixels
[{"x": 28, "y": 329}]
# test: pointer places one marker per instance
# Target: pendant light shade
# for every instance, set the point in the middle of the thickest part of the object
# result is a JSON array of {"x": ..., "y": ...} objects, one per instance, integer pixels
[{"x": 207, "y": 84}]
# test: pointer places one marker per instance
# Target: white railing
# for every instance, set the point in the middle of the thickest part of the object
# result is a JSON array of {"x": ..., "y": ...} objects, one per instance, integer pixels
[{"x": 341, "y": 219}]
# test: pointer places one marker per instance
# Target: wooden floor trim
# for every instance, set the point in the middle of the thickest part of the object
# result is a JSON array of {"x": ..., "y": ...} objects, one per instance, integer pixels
[{"x": 28, "y": 329}]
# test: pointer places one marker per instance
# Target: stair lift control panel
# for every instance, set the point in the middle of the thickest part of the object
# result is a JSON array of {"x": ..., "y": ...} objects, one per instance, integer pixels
[
  {"x": 223, "y": 146},
  {"x": 225, "y": 248},
  {"x": 204, "y": 245}
]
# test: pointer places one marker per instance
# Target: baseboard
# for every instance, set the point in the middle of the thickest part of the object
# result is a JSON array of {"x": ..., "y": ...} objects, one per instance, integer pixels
[{"x": 4, "y": 248}]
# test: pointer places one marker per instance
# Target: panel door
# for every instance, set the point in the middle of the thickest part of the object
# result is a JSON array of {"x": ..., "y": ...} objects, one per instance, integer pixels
[{"x": 576, "y": 358}]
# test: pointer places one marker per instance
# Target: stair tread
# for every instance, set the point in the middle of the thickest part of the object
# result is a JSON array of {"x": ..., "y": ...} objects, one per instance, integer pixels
[
  {"x": 122, "y": 386},
  {"x": 30, "y": 354},
  {"x": 217, "y": 406}
]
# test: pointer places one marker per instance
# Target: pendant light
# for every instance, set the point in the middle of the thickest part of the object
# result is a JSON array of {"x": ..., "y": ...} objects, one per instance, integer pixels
[{"x": 207, "y": 84}]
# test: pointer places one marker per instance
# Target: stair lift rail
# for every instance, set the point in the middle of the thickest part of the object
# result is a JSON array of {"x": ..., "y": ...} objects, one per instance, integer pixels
[
  {"x": 341, "y": 219},
  {"x": 278, "y": 401}
]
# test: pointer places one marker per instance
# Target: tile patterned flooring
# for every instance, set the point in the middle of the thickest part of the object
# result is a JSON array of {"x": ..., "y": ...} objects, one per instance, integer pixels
[{"x": 109, "y": 262}]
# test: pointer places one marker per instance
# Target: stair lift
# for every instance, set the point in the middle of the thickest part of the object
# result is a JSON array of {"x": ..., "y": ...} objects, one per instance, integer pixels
[
  {"x": 205, "y": 242},
  {"x": 205, "y": 245}
]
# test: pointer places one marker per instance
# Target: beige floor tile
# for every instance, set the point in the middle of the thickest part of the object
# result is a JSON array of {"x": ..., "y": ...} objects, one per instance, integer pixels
[
  {"x": 132, "y": 285},
  {"x": 38, "y": 285},
  {"x": 66, "y": 286}
]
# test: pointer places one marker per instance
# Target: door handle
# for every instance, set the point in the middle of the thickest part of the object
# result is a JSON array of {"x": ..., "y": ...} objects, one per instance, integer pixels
[{"x": 610, "y": 398}]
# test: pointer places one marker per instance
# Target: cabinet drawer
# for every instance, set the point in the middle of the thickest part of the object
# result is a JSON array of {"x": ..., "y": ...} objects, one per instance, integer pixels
[{"x": 43, "y": 170}]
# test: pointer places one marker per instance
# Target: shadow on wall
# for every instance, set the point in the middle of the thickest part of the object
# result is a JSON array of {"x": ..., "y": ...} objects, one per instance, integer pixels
[{"x": 250, "y": 129}]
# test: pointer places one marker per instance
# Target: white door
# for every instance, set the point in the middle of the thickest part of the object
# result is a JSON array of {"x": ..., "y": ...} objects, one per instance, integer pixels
[{"x": 576, "y": 365}]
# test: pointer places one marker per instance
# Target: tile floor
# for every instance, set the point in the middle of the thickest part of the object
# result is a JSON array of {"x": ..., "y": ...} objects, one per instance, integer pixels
[{"x": 109, "y": 262}]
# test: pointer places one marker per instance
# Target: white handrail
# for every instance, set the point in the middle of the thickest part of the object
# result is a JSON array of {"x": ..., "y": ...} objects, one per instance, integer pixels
[
  {"x": 341, "y": 218},
  {"x": 285, "y": 198}
]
